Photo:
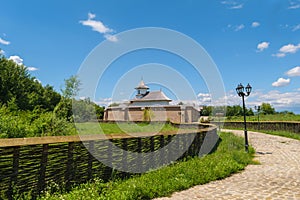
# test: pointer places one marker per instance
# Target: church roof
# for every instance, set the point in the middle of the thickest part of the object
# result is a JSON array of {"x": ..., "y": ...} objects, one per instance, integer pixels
[
  {"x": 142, "y": 85},
  {"x": 153, "y": 96}
]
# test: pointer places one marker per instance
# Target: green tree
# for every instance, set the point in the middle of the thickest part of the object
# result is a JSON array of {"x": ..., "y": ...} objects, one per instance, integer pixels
[
  {"x": 235, "y": 110},
  {"x": 113, "y": 104},
  {"x": 266, "y": 108},
  {"x": 206, "y": 111},
  {"x": 17, "y": 85},
  {"x": 71, "y": 87}
]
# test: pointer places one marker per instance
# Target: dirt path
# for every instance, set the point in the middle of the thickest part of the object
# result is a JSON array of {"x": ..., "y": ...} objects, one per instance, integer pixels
[{"x": 277, "y": 177}]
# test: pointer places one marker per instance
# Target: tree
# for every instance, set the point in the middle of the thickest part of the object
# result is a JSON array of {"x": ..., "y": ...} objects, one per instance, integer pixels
[
  {"x": 114, "y": 104},
  {"x": 206, "y": 111},
  {"x": 266, "y": 108},
  {"x": 17, "y": 85},
  {"x": 71, "y": 88}
]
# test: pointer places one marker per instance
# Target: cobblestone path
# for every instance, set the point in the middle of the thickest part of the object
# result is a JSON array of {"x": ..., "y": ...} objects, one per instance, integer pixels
[{"x": 277, "y": 177}]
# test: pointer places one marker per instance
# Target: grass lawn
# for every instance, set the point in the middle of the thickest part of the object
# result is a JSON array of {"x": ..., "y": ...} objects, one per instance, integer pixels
[
  {"x": 229, "y": 158},
  {"x": 281, "y": 133},
  {"x": 111, "y": 128},
  {"x": 276, "y": 117}
]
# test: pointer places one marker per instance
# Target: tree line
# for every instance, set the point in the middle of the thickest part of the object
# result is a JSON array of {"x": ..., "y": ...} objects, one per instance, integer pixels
[
  {"x": 27, "y": 108},
  {"x": 237, "y": 110}
]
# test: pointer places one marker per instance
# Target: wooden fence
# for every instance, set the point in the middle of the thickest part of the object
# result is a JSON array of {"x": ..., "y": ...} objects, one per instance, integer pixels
[
  {"x": 274, "y": 126},
  {"x": 31, "y": 164}
]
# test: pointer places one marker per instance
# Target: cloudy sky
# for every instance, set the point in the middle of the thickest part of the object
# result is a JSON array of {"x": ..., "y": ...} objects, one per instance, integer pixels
[{"x": 250, "y": 41}]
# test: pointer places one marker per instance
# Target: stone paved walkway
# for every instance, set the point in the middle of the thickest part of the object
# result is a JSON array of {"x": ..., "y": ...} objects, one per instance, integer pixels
[{"x": 277, "y": 177}]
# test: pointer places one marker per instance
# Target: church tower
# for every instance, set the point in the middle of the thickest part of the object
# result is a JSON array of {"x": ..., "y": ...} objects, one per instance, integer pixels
[{"x": 142, "y": 90}]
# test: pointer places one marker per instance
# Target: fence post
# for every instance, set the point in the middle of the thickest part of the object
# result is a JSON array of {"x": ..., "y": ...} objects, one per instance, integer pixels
[
  {"x": 124, "y": 158},
  {"x": 198, "y": 143},
  {"x": 139, "y": 150},
  {"x": 90, "y": 159},
  {"x": 107, "y": 172},
  {"x": 170, "y": 147},
  {"x": 43, "y": 167},
  {"x": 69, "y": 170},
  {"x": 15, "y": 171},
  {"x": 162, "y": 153},
  {"x": 152, "y": 148}
]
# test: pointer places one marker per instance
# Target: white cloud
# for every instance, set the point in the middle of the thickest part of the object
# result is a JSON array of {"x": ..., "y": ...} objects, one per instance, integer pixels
[
  {"x": 91, "y": 15},
  {"x": 239, "y": 6},
  {"x": 19, "y": 61},
  {"x": 104, "y": 102},
  {"x": 96, "y": 25},
  {"x": 255, "y": 24},
  {"x": 204, "y": 98},
  {"x": 239, "y": 27},
  {"x": 2, "y": 52},
  {"x": 286, "y": 49},
  {"x": 99, "y": 27},
  {"x": 279, "y": 100},
  {"x": 279, "y": 55},
  {"x": 32, "y": 68},
  {"x": 294, "y": 71},
  {"x": 16, "y": 59},
  {"x": 294, "y": 5},
  {"x": 295, "y": 28},
  {"x": 4, "y": 42},
  {"x": 37, "y": 80},
  {"x": 281, "y": 82},
  {"x": 290, "y": 48},
  {"x": 262, "y": 46},
  {"x": 233, "y": 4},
  {"x": 111, "y": 38}
]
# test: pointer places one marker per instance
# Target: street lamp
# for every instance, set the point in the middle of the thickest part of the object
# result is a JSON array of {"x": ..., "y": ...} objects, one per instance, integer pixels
[
  {"x": 257, "y": 108},
  {"x": 240, "y": 91}
]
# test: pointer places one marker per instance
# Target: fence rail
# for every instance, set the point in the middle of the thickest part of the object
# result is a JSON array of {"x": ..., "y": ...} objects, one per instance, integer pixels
[
  {"x": 31, "y": 164},
  {"x": 274, "y": 126}
]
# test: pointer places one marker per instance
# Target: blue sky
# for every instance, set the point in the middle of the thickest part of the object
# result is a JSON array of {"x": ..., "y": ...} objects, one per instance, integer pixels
[{"x": 250, "y": 41}]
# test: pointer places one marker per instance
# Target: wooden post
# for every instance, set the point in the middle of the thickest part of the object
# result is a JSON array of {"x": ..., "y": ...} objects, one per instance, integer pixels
[
  {"x": 14, "y": 176},
  {"x": 43, "y": 167},
  {"x": 107, "y": 173},
  {"x": 184, "y": 145},
  {"x": 69, "y": 170},
  {"x": 162, "y": 153},
  {"x": 90, "y": 159},
  {"x": 124, "y": 158},
  {"x": 198, "y": 144},
  {"x": 152, "y": 148},
  {"x": 170, "y": 147},
  {"x": 139, "y": 150}
]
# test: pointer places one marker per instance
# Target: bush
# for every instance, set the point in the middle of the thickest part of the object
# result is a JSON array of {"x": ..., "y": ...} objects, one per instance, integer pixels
[{"x": 32, "y": 124}]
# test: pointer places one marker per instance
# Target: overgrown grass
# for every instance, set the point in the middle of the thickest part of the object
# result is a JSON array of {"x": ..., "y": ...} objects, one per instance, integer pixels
[
  {"x": 282, "y": 133},
  {"x": 111, "y": 128},
  {"x": 229, "y": 158},
  {"x": 276, "y": 117}
]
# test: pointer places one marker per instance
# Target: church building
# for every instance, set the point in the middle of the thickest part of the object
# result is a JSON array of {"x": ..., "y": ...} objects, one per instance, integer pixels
[{"x": 151, "y": 106}]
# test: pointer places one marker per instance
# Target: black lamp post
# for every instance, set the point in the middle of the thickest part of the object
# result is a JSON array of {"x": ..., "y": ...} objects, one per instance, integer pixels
[
  {"x": 240, "y": 91},
  {"x": 257, "y": 108}
]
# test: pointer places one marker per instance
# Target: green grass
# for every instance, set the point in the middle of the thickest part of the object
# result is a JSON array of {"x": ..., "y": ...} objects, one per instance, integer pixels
[
  {"x": 112, "y": 128},
  {"x": 281, "y": 133},
  {"x": 229, "y": 158},
  {"x": 275, "y": 117}
]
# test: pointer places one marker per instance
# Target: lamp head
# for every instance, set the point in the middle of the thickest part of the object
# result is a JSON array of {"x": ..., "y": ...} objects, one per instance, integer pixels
[
  {"x": 248, "y": 89},
  {"x": 240, "y": 89}
]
